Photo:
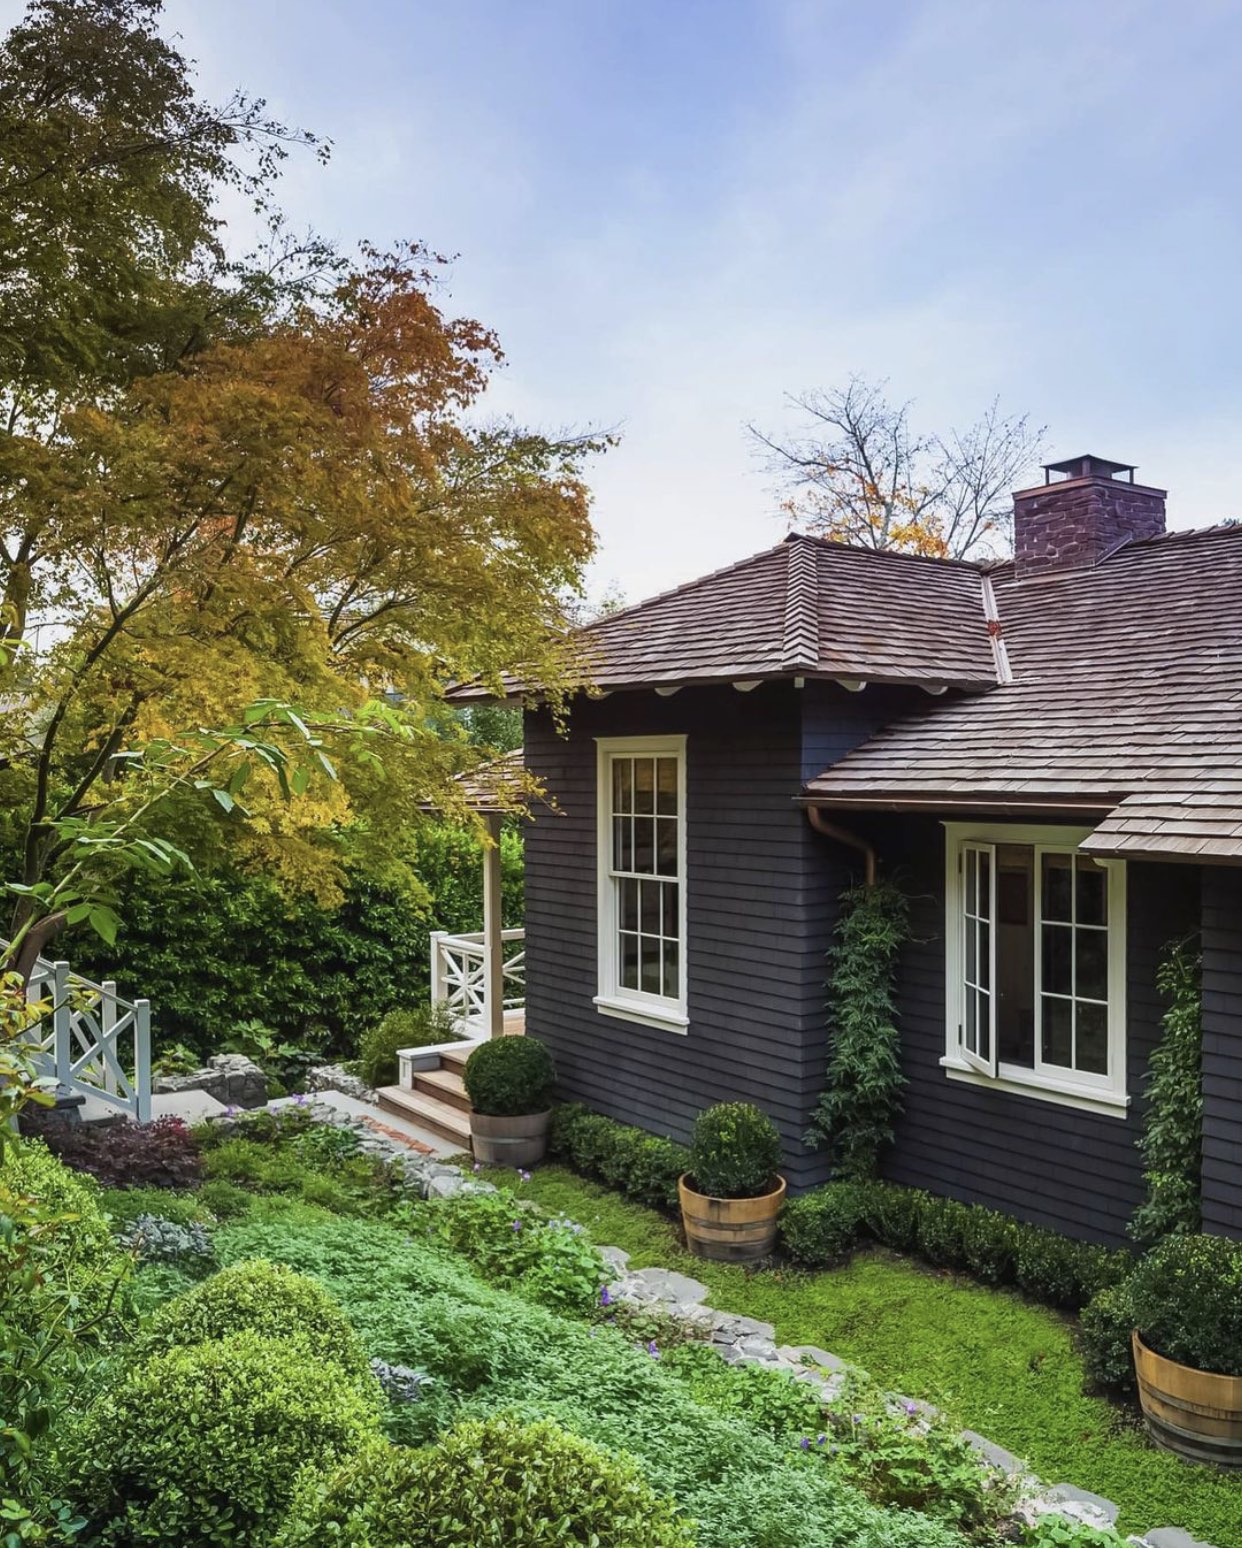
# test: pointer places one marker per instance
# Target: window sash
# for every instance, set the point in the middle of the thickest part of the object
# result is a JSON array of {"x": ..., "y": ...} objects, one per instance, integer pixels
[{"x": 977, "y": 959}]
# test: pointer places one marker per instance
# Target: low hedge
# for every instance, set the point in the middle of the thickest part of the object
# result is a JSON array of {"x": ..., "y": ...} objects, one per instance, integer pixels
[
  {"x": 642, "y": 1166},
  {"x": 824, "y": 1226}
]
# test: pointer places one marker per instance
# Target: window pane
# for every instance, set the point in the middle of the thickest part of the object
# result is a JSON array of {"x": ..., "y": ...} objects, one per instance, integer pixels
[
  {"x": 1058, "y": 887},
  {"x": 985, "y": 885},
  {"x": 629, "y": 904},
  {"x": 1092, "y": 884},
  {"x": 650, "y": 924},
  {"x": 1092, "y": 1040},
  {"x": 666, "y": 846},
  {"x": 629, "y": 961},
  {"x": 1092, "y": 980},
  {"x": 622, "y": 785},
  {"x": 671, "y": 923},
  {"x": 644, "y": 784},
  {"x": 985, "y": 955},
  {"x": 972, "y": 975},
  {"x": 666, "y": 786},
  {"x": 651, "y": 973},
  {"x": 644, "y": 845},
  {"x": 972, "y": 892},
  {"x": 1057, "y": 960},
  {"x": 1058, "y": 1034},
  {"x": 969, "y": 1032},
  {"x": 672, "y": 977},
  {"x": 623, "y": 843},
  {"x": 985, "y": 1026}
]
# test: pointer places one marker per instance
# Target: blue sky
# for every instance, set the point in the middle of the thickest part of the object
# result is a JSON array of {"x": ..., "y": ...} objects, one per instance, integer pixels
[{"x": 677, "y": 211}]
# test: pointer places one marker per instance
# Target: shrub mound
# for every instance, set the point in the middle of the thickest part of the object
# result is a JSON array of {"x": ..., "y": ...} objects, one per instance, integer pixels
[
  {"x": 642, "y": 1166},
  {"x": 202, "y": 1446},
  {"x": 735, "y": 1151},
  {"x": 510, "y": 1076},
  {"x": 418, "y": 1028},
  {"x": 495, "y": 1483},
  {"x": 30, "y": 1171},
  {"x": 1186, "y": 1302},
  {"x": 266, "y": 1299},
  {"x": 163, "y": 1154}
]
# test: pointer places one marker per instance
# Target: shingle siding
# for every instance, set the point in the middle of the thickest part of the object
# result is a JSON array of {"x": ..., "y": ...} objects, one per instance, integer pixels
[
  {"x": 1074, "y": 1171},
  {"x": 1222, "y": 1050}
]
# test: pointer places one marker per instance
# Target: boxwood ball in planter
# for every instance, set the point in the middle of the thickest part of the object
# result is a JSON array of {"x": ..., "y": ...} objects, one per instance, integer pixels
[
  {"x": 731, "y": 1197},
  {"x": 509, "y": 1082}
]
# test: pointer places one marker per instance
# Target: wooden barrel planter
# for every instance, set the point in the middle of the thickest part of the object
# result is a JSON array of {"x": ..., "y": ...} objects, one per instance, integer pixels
[
  {"x": 730, "y": 1230},
  {"x": 520, "y": 1141},
  {"x": 1197, "y": 1414}
]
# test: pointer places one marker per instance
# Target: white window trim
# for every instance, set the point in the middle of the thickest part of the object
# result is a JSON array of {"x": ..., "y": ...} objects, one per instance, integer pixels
[
  {"x": 1091, "y": 1093},
  {"x": 651, "y": 1010}
]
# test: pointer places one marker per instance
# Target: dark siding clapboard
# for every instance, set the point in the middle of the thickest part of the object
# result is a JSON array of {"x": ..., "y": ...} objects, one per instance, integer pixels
[
  {"x": 1222, "y": 1050},
  {"x": 1077, "y": 1172},
  {"x": 761, "y": 886}
]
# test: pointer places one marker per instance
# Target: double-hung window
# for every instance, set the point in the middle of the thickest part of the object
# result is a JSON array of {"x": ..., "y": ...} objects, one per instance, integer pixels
[
  {"x": 1035, "y": 965},
  {"x": 641, "y": 848}
]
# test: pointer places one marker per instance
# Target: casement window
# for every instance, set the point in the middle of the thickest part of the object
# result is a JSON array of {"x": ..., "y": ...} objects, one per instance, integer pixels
[
  {"x": 1035, "y": 965},
  {"x": 641, "y": 850}
]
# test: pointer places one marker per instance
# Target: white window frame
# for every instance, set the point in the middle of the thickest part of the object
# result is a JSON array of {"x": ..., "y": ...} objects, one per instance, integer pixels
[
  {"x": 654, "y": 1010},
  {"x": 1049, "y": 1083}
]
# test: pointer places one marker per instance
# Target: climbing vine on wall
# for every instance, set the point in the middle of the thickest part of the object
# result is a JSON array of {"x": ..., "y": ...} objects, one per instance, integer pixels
[
  {"x": 1173, "y": 1130},
  {"x": 862, "y": 1094}
]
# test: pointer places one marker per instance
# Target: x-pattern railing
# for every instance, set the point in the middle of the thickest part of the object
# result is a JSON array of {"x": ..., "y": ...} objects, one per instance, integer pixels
[{"x": 459, "y": 974}]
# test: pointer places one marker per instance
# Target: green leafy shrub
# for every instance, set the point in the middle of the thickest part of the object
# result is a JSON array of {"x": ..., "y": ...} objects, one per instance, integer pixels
[
  {"x": 126, "y": 1204},
  {"x": 768, "y": 1399},
  {"x": 824, "y": 1226},
  {"x": 1058, "y": 1270},
  {"x": 1104, "y": 1335},
  {"x": 267, "y": 1299},
  {"x": 345, "y": 1186},
  {"x": 1172, "y": 1140},
  {"x": 406, "y": 1028},
  {"x": 30, "y": 1171},
  {"x": 515, "y": 1245},
  {"x": 226, "y": 1200},
  {"x": 528, "y": 1485},
  {"x": 1186, "y": 1298},
  {"x": 893, "y": 1214},
  {"x": 990, "y": 1246},
  {"x": 942, "y": 1226},
  {"x": 510, "y": 1076},
  {"x": 202, "y": 1445},
  {"x": 1056, "y": 1531},
  {"x": 642, "y": 1166},
  {"x": 862, "y": 1092},
  {"x": 735, "y": 1151}
]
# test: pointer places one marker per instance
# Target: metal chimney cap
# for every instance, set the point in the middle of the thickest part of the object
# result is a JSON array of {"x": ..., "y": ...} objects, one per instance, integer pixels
[{"x": 1088, "y": 466}]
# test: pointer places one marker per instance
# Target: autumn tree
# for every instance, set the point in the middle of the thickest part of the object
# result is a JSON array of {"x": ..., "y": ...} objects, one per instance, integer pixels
[
  {"x": 860, "y": 473},
  {"x": 230, "y": 483}
]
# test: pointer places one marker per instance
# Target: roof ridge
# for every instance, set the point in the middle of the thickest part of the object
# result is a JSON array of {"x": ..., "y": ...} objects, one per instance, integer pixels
[
  {"x": 677, "y": 591},
  {"x": 800, "y": 630},
  {"x": 948, "y": 561}
]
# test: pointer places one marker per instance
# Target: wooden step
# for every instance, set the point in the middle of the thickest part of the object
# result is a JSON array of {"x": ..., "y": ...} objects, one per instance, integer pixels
[
  {"x": 448, "y": 1122},
  {"x": 443, "y": 1085},
  {"x": 453, "y": 1061}
]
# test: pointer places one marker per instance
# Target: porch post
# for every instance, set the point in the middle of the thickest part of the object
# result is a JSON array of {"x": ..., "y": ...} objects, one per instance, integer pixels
[{"x": 493, "y": 930}]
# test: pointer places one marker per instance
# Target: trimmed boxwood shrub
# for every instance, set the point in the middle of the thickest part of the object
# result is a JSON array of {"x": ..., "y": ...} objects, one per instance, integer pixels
[
  {"x": 495, "y": 1483},
  {"x": 824, "y": 1226},
  {"x": 735, "y": 1151},
  {"x": 257, "y": 1296},
  {"x": 418, "y": 1028},
  {"x": 990, "y": 1246},
  {"x": 1186, "y": 1301},
  {"x": 202, "y": 1446},
  {"x": 1104, "y": 1334},
  {"x": 509, "y": 1077},
  {"x": 642, "y": 1166},
  {"x": 942, "y": 1225}
]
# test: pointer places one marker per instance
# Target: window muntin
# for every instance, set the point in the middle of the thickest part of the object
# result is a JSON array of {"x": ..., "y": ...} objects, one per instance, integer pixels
[
  {"x": 642, "y": 881},
  {"x": 1050, "y": 1011}
]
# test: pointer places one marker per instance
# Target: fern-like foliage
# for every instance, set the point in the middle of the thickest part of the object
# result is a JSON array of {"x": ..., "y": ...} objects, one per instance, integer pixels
[
  {"x": 862, "y": 1095},
  {"x": 1172, "y": 1139}
]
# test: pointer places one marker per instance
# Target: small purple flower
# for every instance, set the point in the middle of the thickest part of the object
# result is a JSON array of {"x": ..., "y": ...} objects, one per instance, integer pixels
[
  {"x": 300, "y": 1098},
  {"x": 821, "y": 1440},
  {"x": 805, "y": 1443},
  {"x": 604, "y": 1298},
  {"x": 912, "y": 1408},
  {"x": 856, "y": 1418},
  {"x": 517, "y": 1225},
  {"x": 478, "y": 1166},
  {"x": 523, "y": 1174},
  {"x": 652, "y": 1350}
]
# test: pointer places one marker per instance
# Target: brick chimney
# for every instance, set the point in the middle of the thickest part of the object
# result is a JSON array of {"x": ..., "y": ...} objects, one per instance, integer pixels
[{"x": 1085, "y": 509}]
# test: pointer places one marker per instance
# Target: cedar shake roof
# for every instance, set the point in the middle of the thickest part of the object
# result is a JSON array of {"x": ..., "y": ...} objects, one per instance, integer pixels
[
  {"x": 1126, "y": 693},
  {"x": 805, "y": 608}
]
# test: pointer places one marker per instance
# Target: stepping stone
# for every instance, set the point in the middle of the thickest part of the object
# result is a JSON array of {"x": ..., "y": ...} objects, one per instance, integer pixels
[
  {"x": 1173, "y": 1537},
  {"x": 996, "y": 1455},
  {"x": 1090, "y": 1504},
  {"x": 808, "y": 1354},
  {"x": 668, "y": 1285},
  {"x": 615, "y": 1258}
]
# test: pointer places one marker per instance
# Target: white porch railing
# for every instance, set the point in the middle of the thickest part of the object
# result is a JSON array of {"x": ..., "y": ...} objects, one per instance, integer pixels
[
  {"x": 459, "y": 975},
  {"x": 95, "y": 1043}
]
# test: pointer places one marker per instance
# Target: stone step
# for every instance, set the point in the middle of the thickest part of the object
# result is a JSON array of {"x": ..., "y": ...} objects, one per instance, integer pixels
[
  {"x": 442, "y": 1085},
  {"x": 439, "y": 1117}
]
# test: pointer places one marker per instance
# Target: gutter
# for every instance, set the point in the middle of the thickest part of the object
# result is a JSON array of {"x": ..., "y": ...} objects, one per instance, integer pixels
[{"x": 840, "y": 835}]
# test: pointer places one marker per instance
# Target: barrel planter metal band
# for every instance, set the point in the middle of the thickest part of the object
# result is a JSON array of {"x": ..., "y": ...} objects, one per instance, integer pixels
[
  {"x": 518, "y": 1141},
  {"x": 730, "y": 1230},
  {"x": 1197, "y": 1414}
]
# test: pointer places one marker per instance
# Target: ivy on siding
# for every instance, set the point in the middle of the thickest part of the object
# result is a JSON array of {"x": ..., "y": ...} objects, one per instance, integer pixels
[
  {"x": 1172, "y": 1140},
  {"x": 854, "y": 1117}
]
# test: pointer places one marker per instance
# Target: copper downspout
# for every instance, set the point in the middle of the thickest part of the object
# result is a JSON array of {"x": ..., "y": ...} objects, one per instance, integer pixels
[{"x": 820, "y": 823}]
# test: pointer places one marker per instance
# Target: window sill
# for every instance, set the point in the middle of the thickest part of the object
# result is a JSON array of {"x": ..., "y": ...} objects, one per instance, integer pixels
[
  {"x": 646, "y": 1015},
  {"x": 1112, "y": 1104}
]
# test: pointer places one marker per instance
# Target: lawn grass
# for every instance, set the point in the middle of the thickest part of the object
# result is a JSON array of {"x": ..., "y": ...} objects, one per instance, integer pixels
[{"x": 990, "y": 1360}]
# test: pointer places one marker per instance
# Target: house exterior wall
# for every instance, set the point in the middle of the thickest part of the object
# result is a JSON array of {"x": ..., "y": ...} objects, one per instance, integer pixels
[
  {"x": 1077, "y": 1172},
  {"x": 1222, "y": 1050},
  {"x": 760, "y": 902}
]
